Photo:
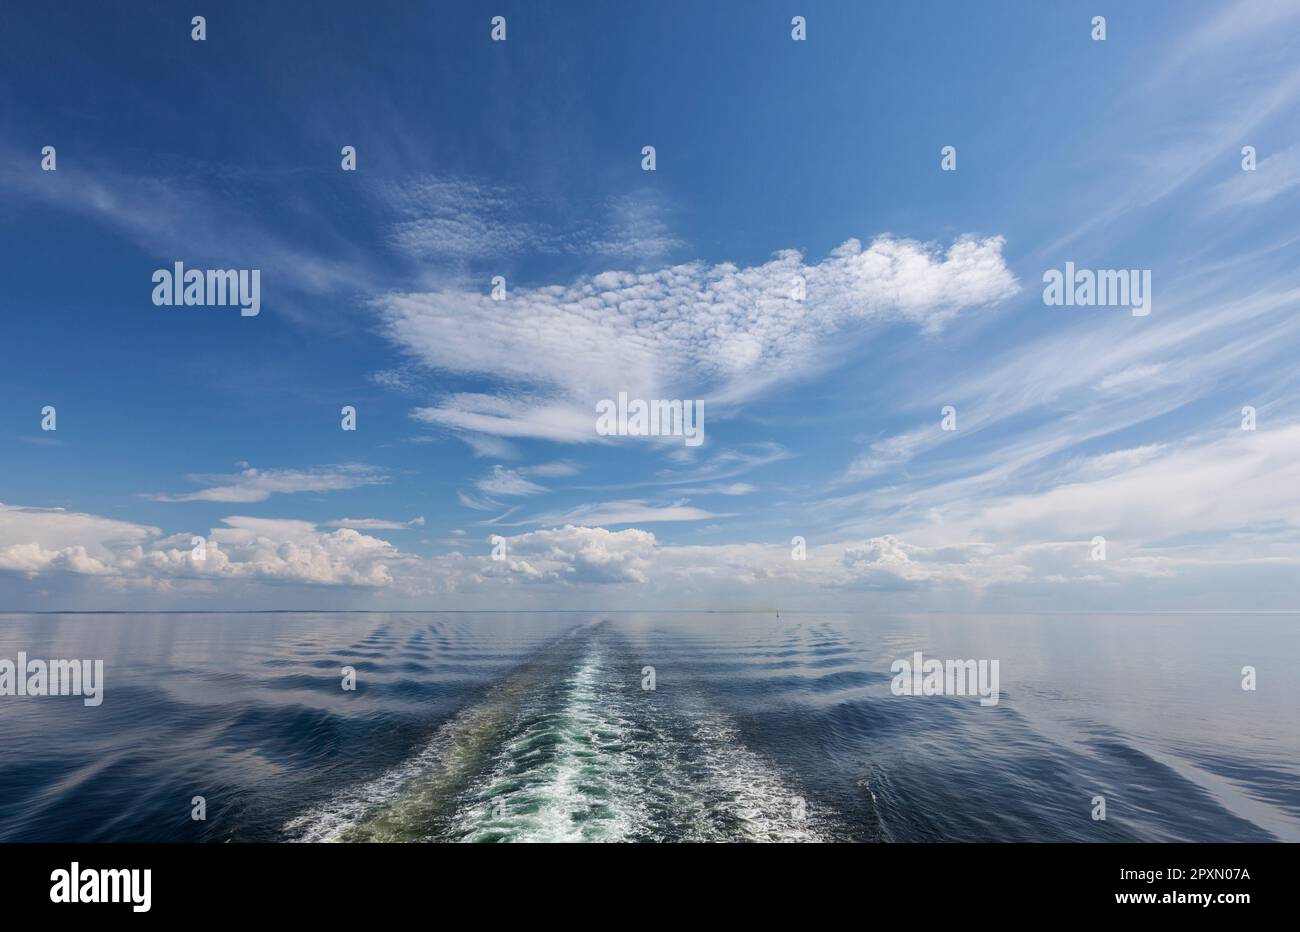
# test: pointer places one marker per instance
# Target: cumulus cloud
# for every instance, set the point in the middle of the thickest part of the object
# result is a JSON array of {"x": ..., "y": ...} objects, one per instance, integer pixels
[
  {"x": 973, "y": 553},
  {"x": 1169, "y": 512},
  {"x": 721, "y": 332},
  {"x": 40, "y": 540},
  {"x": 297, "y": 551},
  {"x": 575, "y": 555}
]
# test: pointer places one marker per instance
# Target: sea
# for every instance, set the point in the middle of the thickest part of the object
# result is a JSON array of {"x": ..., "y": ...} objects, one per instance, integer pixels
[{"x": 653, "y": 727}]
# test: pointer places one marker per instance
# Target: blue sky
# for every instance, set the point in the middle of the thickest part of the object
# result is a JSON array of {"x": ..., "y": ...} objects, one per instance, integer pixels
[{"x": 775, "y": 159}]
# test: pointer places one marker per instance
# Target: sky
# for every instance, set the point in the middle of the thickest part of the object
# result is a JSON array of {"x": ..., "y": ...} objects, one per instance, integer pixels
[{"x": 799, "y": 262}]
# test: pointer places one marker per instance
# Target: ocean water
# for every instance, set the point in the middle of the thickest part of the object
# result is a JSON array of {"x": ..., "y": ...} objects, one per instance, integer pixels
[{"x": 536, "y": 727}]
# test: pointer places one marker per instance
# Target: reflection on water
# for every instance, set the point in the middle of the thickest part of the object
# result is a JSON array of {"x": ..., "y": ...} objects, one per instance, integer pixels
[{"x": 536, "y": 727}]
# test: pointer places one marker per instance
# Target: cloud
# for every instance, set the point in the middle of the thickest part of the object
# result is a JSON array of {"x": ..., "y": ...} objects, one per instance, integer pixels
[
  {"x": 721, "y": 332},
  {"x": 1133, "y": 375},
  {"x": 578, "y": 555},
  {"x": 204, "y": 211},
  {"x": 504, "y": 481},
  {"x": 628, "y": 512},
  {"x": 1172, "y": 515},
  {"x": 1169, "y": 511},
  {"x": 41, "y": 540},
  {"x": 512, "y": 416},
  {"x": 376, "y": 524},
  {"x": 1091, "y": 377},
  {"x": 485, "y": 445},
  {"x": 1247, "y": 477},
  {"x": 478, "y": 504},
  {"x": 727, "y": 464},
  {"x": 1203, "y": 107},
  {"x": 462, "y": 219},
  {"x": 1274, "y": 175},
  {"x": 397, "y": 380},
  {"x": 257, "y": 485},
  {"x": 1121, "y": 460},
  {"x": 556, "y": 470},
  {"x": 732, "y": 488},
  {"x": 280, "y": 550}
]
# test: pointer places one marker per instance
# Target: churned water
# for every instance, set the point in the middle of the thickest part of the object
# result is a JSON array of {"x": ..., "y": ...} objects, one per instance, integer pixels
[{"x": 540, "y": 727}]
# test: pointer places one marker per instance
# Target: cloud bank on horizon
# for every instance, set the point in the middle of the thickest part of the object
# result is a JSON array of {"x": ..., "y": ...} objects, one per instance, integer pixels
[{"x": 894, "y": 417}]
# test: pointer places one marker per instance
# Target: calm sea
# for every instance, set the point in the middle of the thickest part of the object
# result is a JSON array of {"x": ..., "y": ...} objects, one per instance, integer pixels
[{"x": 538, "y": 727}]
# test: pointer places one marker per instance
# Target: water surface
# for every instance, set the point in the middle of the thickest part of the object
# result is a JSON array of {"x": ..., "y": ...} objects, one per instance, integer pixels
[{"x": 537, "y": 727}]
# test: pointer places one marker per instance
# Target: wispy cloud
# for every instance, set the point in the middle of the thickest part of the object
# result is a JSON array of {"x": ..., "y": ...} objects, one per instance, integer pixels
[
  {"x": 730, "y": 488},
  {"x": 504, "y": 481},
  {"x": 1275, "y": 174},
  {"x": 461, "y": 218},
  {"x": 627, "y": 512},
  {"x": 376, "y": 524},
  {"x": 257, "y": 485}
]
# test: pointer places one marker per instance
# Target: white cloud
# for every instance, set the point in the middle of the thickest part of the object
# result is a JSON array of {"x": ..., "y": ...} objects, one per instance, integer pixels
[
  {"x": 721, "y": 332},
  {"x": 40, "y": 540},
  {"x": 171, "y": 216},
  {"x": 1120, "y": 460},
  {"x": 504, "y": 481},
  {"x": 730, "y": 488},
  {"x": 398, "y": 380},
  {"x": 1245, "y": 478},
  {"x": 1092, "y": 377},
  {"x": 556, "y": 470},
  {"x": 376, "y": 524},
  {"x": 444, "y": 218},
  {"x": 1131, "y": 376},
  {"x": 486, "y": 445},
  {"x": 282, "y": 550},
  {"x": 257, "y": 485},
  {"x": 578, "y": 555},
  {"x": 1275, "y": 174},
  {"x": 1238, "y": 496},
  {"x": 628, "y": 512},
  {"x": 478, "y": 504},
  {"x": 512, "y": 416}
]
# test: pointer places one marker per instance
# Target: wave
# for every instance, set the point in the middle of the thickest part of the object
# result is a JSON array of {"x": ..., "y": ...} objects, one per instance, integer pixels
[{"x": 570, "y": 748}]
